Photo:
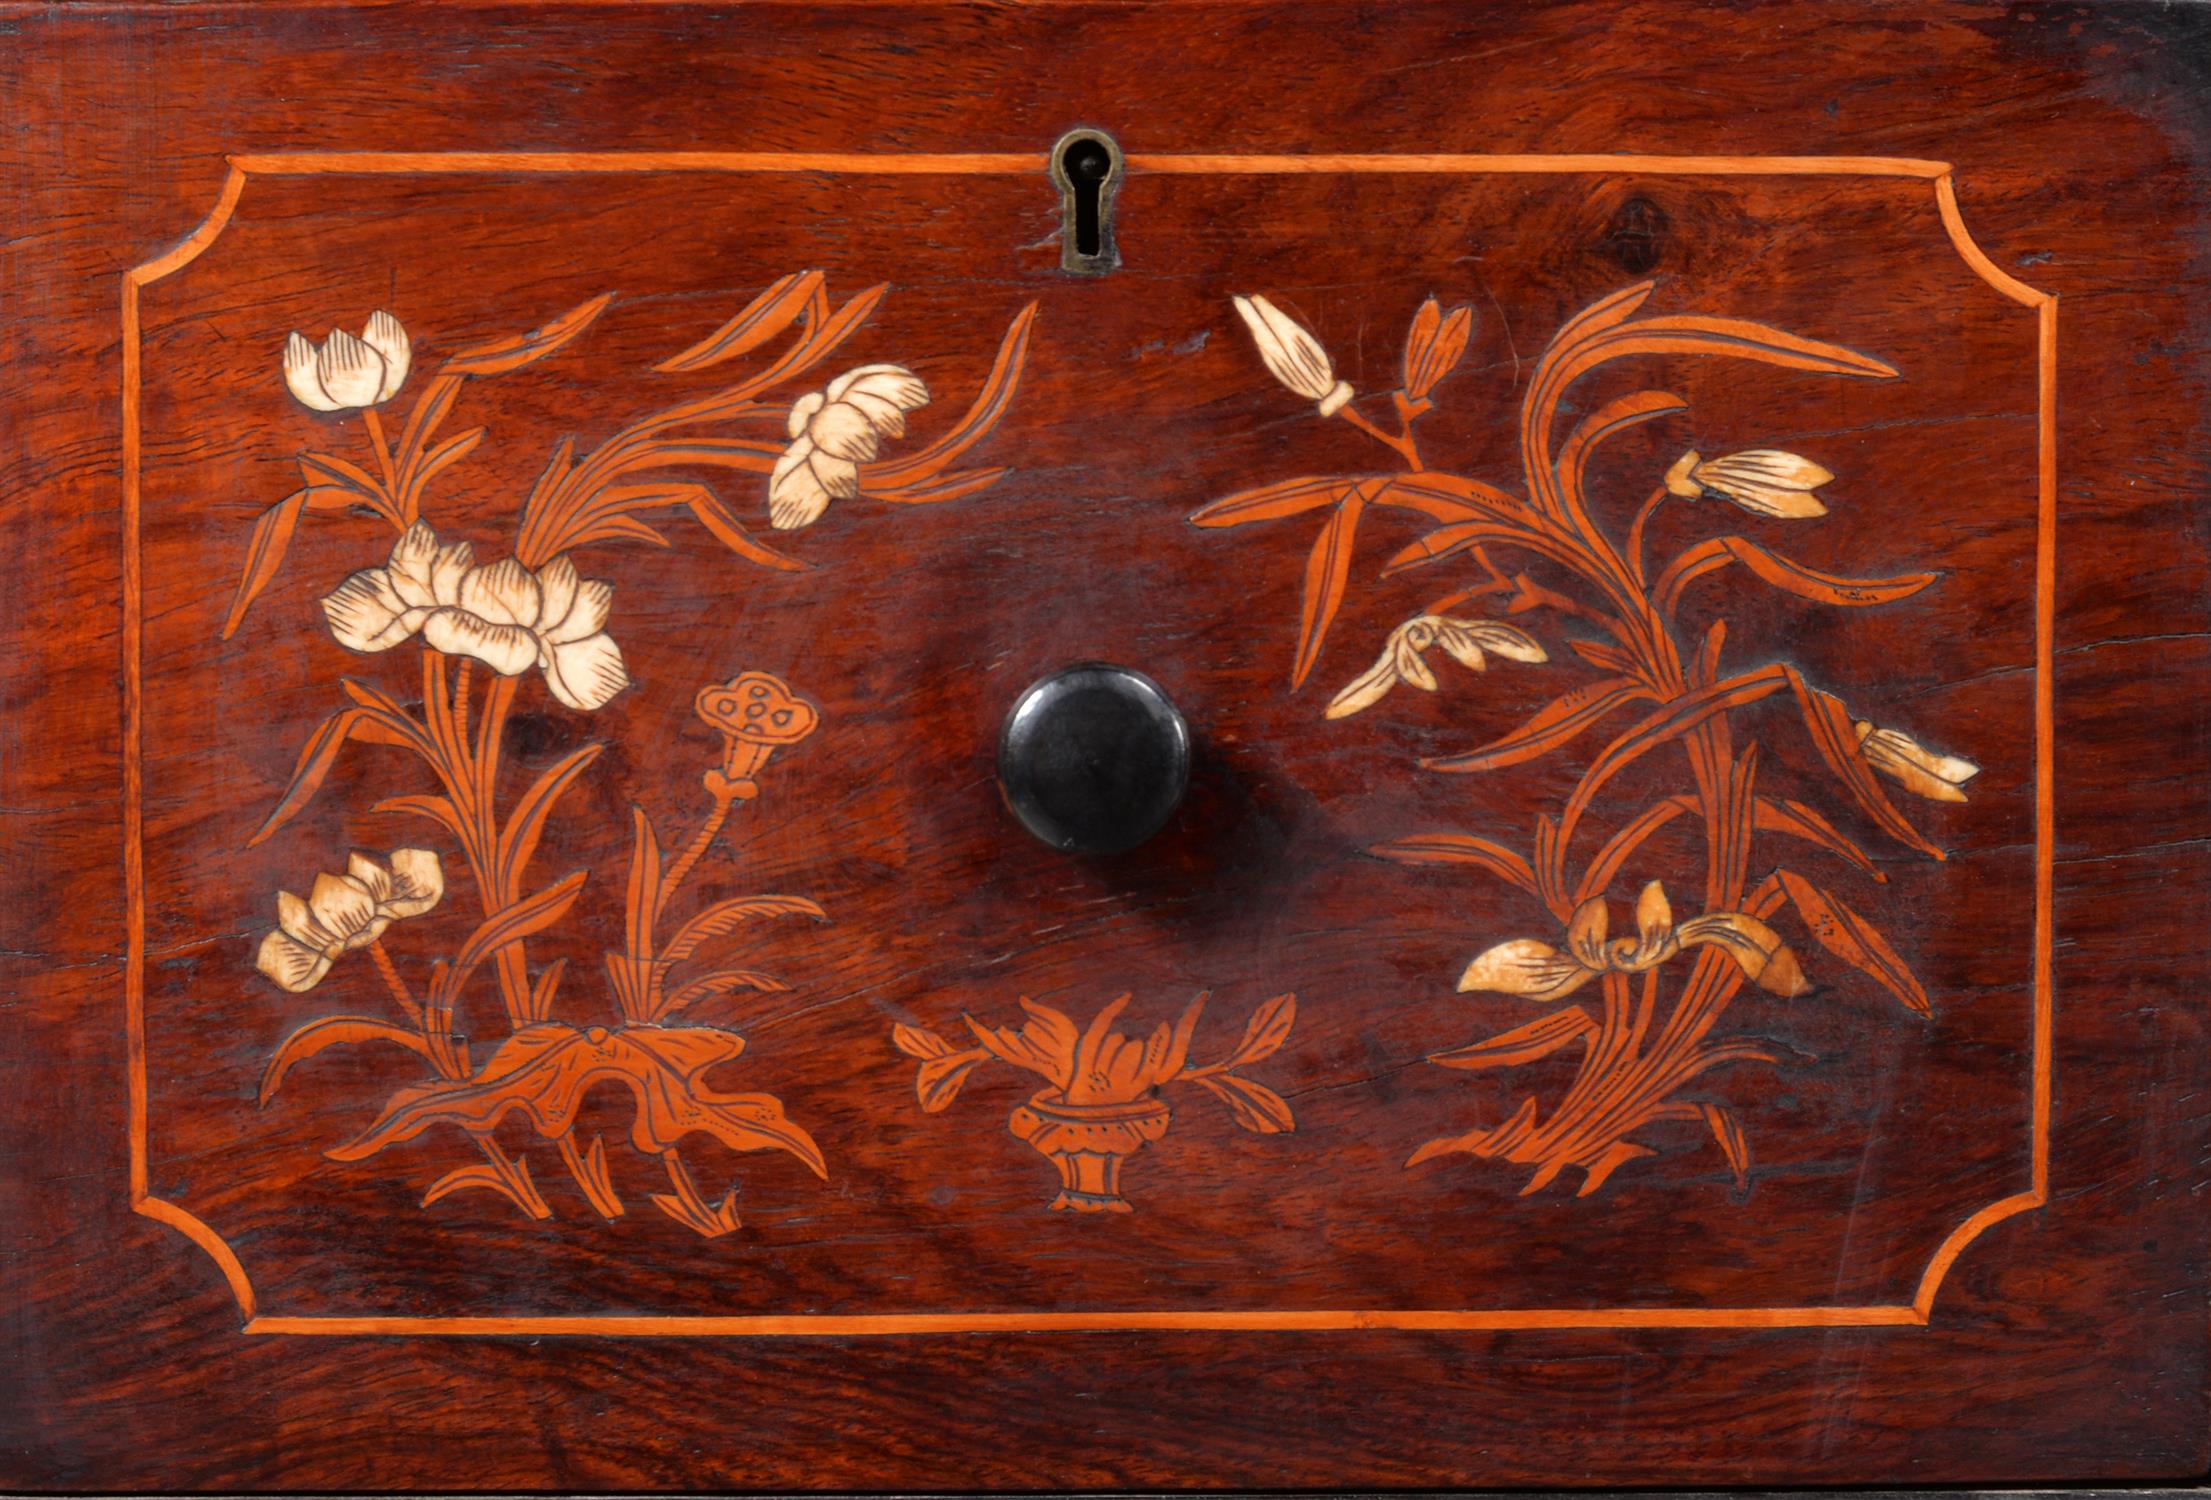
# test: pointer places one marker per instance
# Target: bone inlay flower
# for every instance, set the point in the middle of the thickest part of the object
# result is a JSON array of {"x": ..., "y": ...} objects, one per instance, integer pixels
[
  {"x": 346, "y": 372},
  {"x": 1765, "y": 481},
  {"x": 1896, "y": 755},
  {"x": 1401, "y": 659},
  {"x": 1292, "y": 355},
  {"x": 1537, "y": 971},
  {"x": 346, "y": 912},
  {"x": 502, "y": 615},
  {"x": 835, "y": 431}
]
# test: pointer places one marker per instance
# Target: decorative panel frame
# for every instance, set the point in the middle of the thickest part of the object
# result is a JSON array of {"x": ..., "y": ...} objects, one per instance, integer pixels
[{"x": 1916, "y": 1311}]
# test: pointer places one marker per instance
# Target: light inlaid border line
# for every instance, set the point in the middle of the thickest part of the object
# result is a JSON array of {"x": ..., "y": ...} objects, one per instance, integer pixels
[{"x": 1915, "y": 1313}]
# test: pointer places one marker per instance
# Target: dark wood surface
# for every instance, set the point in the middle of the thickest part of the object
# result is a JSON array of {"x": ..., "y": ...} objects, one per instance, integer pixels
[{"x": 2064, "y": 1341}]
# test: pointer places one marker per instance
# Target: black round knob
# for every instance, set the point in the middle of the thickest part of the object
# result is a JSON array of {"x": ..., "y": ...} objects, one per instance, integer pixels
[{"x": 1094, "y": 758}]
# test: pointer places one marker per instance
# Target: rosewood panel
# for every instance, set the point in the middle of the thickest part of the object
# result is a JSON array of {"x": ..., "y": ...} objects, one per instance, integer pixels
[{"x": 1677, "y": 962}]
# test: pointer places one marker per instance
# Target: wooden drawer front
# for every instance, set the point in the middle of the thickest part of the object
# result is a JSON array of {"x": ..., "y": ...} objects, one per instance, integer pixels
[
  {"x": 1242, "y": 746},
  {"x": 1104, "y": 468}
]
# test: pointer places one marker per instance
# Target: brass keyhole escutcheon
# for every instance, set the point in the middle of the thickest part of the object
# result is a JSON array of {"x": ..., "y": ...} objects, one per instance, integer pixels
[{"x": 1087, "y": 166}]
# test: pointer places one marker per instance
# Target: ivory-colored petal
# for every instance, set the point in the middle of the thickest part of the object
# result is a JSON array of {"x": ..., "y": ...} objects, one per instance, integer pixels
[
  {"x": 1933, "y": 788},
  {"x": 1678, "y": 480},
  {"x": 350, "y": 371},
  {"x": 842, "y": 430},
  {"x": 299, "y": 375},
  {"x": 1296, "y": 344},
  {"x": 298, "y": 922},
  {"x": 839, "y": 476},
  {"x": 796, "y": 495},
  {"x": 1767, "y": 466},
  {"x": 418, "y": 883},
  {"x": 1291, "y": 354},
  {"x": 413, "y": 561},
  {"x": 1768, "y": 482},
  {"x": 369, "y": 876},
  {"x": 1366, "y": 689},
  {"x": 802, "y": 412},
  {"x": 1410, "y": 666},
  {"x": 557, "y": 582},
  {"x": 1465, "y": 647},
  {"x": 1939, "y": 778},
  {"x": 1767, "y": 500},
  {"x": 587, "y": 615},
  {"x": 385, "y": 335},
  {"x": 447, "y": 569},
  {"x": 503, "y": 593},
  {"x": 1952, "y": 768},
  {"x": 506, "y": 649},
  {"x": 367, "y": 613},
  {"x": 884, "y": 416},
  {"x": 1290, "y": 351},
  {"x": 1257, "y": 313},
  {"x": 1508, "y": 641},
  {"x": 343, "y": 907},
  {"x": 1527, "y": 968},
  {"x": 894, "y": 385},
  {"x": 585, "y": 674},
  {"x": 1892, "y": 753},
  {"x": 794, "y": 492},
  {"x": 1917, "y": 780},
  {"x": 294, "y": 967}
]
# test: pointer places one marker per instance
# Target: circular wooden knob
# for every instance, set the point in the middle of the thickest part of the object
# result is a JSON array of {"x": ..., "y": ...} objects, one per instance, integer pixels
[{"x": 1094, "y": 758}]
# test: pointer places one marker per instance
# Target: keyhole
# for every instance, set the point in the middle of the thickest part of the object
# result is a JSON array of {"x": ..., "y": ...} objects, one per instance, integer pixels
[
  {"x": 1087, "y": 166},
  {"x": 1637, "y": 236}
]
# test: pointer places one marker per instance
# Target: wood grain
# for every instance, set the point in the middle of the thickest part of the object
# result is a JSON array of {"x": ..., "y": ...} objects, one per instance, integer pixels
[{"x": 720, "y": 151}]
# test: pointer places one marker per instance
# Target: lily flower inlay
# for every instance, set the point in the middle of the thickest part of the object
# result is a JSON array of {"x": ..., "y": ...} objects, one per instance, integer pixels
[
  {"x": 1763, "y": 481},
  {"x": 835, "y": 431},
  {"x": 503, "y": 615},
  {"x": 346, "y": 912},
  {"x": 1537, "y": 971},
  {"x": 1896, "y": 755},
  {"x": 1292, "y": 355},
  {"x": 346, "y": 372},
  {"x": 1401, "y": 659}
]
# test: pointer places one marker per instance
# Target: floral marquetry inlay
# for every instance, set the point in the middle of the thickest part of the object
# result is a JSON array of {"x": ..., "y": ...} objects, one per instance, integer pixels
[
  {"x": 1647, "y": 1042},
  {"x": 596, "y": 869},
  {"x": 739, "y": 728},
  {"x": 480, "y": 633},
  {"x": 1102, "y": 1100}
]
